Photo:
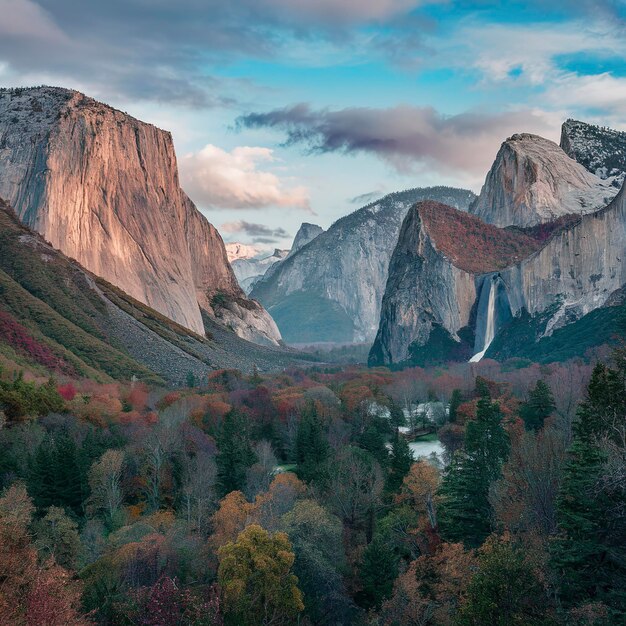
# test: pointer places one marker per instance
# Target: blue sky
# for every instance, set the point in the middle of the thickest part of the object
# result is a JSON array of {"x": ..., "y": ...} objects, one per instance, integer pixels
[{"x": 284, "y": 111}]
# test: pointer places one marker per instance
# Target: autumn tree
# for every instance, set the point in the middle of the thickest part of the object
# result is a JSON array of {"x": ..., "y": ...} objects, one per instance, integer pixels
[
  {"x": 316, "y": 536},
  {"x": 105, "y": 478},
  {"x": 57, "y": 537},
  {"x": 505, "y": 591},
  {"x": 31, "y": 593},
  {"x": 258, "y": 587}
]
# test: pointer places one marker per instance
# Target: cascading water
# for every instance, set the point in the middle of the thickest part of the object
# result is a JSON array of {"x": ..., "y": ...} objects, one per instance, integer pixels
[{"x": 490, "y": 328}]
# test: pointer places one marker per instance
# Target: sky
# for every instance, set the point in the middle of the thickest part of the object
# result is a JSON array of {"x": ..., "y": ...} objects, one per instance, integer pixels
[{"x": 290, "y": 111}]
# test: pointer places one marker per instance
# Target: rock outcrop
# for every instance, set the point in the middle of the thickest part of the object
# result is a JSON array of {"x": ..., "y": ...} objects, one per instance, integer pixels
[
  {"x": 306, "y": 233},
  {"x": 533, "y": 181},
  {"x": 443, "y": 303},
  {"x": 103, "y": 188},
  {"x": 331, "y": 289},
  {"x": 600, "y": 150}
]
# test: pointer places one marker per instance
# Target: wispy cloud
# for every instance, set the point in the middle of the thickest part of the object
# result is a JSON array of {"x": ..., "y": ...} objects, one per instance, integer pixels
[{"x": 407, "y": 137}]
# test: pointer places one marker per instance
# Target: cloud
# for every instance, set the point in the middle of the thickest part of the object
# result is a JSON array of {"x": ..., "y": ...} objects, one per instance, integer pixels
[
  {"x": 259, "y": 233},
  {"x": 366, "y": 198},
  {"x": 160, "y": 50},
  {"x": 218, "y": 179},
  {"x": 344, "y": 11},
  {"x": 405, "y": 136},
  {"x": 597, "y": 92}
]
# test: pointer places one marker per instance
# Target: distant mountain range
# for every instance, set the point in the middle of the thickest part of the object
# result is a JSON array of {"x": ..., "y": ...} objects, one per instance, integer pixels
[{"x": 331, "y": 289}]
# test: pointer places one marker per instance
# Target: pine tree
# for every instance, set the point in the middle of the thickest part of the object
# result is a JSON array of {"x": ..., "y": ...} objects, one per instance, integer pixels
[
  {"x": 378, "y": 572},
  {"x": 540, "y": 406},
  {"x": 312, "y": 448},
  {"x": 396, "y": 415},
  {"x": 465, "y": 513},
  {"x": 71, "y": 487},
  {"x": 235, "y": 453},
  {"x": 400, "y": 462},
  {"x": 589, "y": 552},
  {"x": 43, "y": 480},
  {"x": 456, "y": 399}
]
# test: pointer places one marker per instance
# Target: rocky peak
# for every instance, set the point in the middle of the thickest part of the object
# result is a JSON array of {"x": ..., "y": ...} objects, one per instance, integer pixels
[
  {"x": 533, "y": 181},
  {"x": 306, "y": 233},
  {"x": 599, "y": 149},
  {"x": 339, "y": 277},
  {"x": 103, "y": 187}
]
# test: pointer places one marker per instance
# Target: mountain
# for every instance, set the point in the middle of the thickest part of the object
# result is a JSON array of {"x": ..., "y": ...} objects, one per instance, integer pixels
[
  {"x": 331, "y": 289},
  {"x": 236, "y": 251},
  {"x": 103, "y": 188},
  {"x": 306, "y": 233},
  {"x": 55, "y": 316},
  {"x": 600, "y": 150},
  {"x": 457, "y": 285},
  {"x": 249, "y": 271},
  {"x": 533, "y": 181}
]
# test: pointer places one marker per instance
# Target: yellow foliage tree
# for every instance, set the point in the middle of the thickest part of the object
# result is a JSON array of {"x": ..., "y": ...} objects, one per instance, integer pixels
[{"x": 255, "y": 576}]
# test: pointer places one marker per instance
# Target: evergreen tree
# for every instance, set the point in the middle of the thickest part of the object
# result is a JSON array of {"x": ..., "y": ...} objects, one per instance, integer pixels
[
  {"x": 235, "y": 453},
  {"x": 378, "y": 572},
  {"x": 312, "y": 448},
  {"x": 399, "y": 463},
  {"x": 71, "y": 485},
  {"x": 589, "y": 553},
  {"x": 396, "y": 415},
  {"x": 456, "y": 399},
  {"x": 540, "y": 406},
  {"x": 43, "y": 480},
  {"x": 373, "y": 441},
  {"x": 465, "y": 512}
]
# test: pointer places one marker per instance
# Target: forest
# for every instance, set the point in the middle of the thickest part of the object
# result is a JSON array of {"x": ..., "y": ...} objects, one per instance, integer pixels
[{"x": 296, "y": 498}]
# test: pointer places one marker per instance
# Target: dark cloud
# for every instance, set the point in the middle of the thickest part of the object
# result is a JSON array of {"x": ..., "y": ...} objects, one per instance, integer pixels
[
  {"x": 405, "y": 136},
  {"x": 260, "y": 233},
  {"x": 157, "y": 49}
]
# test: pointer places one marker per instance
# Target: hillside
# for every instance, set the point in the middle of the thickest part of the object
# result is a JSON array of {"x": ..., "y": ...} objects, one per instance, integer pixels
[{"x": 56, "y": 315}]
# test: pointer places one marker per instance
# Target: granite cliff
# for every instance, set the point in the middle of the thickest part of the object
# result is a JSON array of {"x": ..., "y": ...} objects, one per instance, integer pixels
[
  {"x": 55, "y": 316},
  {"x": 455, "y": 282},
  {"x": 103, "y": 188},
  {"x": 533, "y": 181},
  {"x": 331, "y": 289},
  {"x": 599, "y": 149}
]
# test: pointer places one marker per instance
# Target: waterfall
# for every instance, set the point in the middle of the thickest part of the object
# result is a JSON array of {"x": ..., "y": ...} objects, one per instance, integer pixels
[{"x": 490, "y": 328}]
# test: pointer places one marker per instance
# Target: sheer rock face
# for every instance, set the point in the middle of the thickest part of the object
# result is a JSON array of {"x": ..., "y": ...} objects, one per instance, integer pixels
[
  {"x": 573, "y": 272},
  {"x": 103, "y": 188},
  {"x": 339, "y": 277},
  {"x": 423, "y": 289},
  {"x": 533, "y": 181}
]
